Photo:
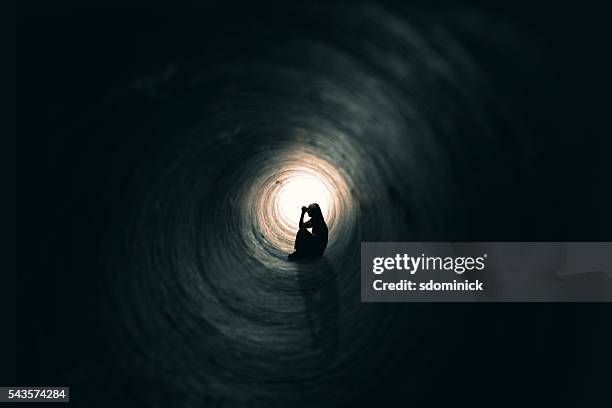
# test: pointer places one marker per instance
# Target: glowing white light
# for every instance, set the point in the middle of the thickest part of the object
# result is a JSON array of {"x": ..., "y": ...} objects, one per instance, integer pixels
[
  {"x": 297, "y": 179},
  {"x": 302, "y": 189}
]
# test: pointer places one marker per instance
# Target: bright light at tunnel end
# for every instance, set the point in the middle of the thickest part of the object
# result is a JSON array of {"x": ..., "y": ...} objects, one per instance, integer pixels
[
  {"x": 299, "y": 179},
  {"x": 302, "y": 189}
]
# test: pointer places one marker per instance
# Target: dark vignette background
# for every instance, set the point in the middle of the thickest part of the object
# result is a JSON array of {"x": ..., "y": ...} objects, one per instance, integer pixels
[{"x": 554, "y": 355}]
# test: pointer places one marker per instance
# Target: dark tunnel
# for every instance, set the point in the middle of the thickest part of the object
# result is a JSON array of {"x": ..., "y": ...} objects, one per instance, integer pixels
[{"x": 160, "y": 149}]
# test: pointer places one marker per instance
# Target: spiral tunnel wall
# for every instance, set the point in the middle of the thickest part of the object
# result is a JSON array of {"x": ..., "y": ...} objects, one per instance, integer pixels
[
  {"x": 375, "y": 117},
  {"x": 401, "y": 124}
]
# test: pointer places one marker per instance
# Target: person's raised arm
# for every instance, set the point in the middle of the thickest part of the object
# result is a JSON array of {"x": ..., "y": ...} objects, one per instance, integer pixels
[{"x": 302, "y": 217}]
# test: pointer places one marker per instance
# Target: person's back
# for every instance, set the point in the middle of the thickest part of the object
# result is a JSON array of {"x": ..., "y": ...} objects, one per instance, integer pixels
[{"x": 320, "y": 232}]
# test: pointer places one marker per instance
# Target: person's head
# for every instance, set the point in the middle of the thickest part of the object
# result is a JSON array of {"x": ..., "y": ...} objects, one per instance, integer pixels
[{"x": 314, "y": 211}]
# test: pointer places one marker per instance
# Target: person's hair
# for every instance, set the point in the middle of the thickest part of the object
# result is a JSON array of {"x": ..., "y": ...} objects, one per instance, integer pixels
[{"x": 315, "y": 212}]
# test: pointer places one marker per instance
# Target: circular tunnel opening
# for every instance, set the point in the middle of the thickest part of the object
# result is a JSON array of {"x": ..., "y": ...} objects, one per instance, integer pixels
[{"x": 298, "y": 179}]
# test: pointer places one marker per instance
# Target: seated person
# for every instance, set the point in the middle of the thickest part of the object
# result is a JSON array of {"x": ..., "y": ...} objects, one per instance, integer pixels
[{"x": 307, "y": 244}]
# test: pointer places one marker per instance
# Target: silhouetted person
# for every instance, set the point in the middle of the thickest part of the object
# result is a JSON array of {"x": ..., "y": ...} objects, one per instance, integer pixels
[{"x": 307, "y": 244}]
